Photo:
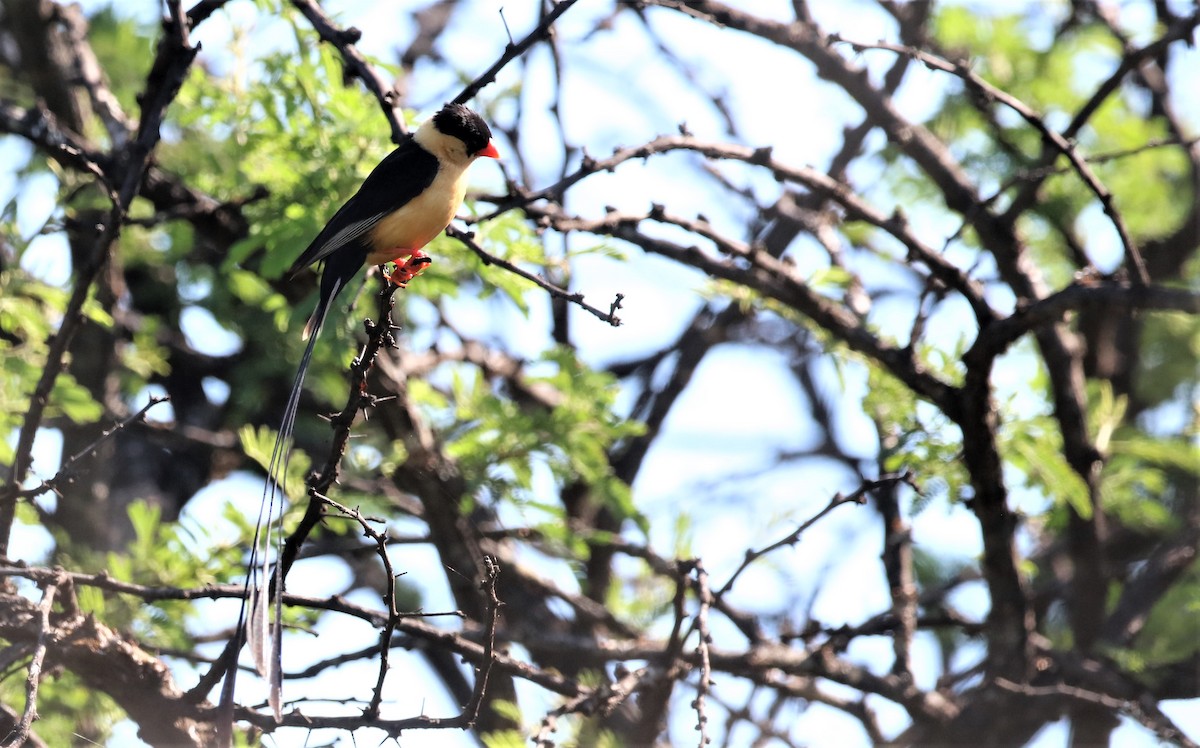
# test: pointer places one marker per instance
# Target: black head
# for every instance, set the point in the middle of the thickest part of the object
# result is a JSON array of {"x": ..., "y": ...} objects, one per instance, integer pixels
[{"x": 458, "y": 121}]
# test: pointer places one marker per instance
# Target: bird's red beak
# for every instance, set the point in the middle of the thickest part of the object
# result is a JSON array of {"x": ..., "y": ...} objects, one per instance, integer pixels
[{"x": 489, "y": 151}]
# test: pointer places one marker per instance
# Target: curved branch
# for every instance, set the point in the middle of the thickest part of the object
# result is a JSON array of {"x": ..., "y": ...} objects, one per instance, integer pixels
[
  {"x": 991, "y": 93},
  {"x": 996, "y": 339},
  {"x": 343, "y": 40}
]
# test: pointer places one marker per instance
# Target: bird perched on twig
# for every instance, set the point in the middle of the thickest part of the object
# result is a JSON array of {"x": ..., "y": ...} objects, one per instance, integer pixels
[{"x": 406, "y": 201}]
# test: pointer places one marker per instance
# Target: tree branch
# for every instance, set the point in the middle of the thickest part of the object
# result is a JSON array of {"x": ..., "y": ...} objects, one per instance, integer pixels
[
  {"x": 468, "y": 239},
  {"x": 991, "y": 93},
  {"x": 356, "y": 65},
  {"x": 172, "y": 60},
  {"x": 513, "y": 51}
]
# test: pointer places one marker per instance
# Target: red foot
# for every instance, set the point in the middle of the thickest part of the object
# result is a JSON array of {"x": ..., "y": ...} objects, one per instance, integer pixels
[{"x": 412, "y": 267}]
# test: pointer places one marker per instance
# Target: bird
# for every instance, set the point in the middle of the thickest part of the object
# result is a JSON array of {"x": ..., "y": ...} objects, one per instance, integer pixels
[{"x": 402, "y": 205}]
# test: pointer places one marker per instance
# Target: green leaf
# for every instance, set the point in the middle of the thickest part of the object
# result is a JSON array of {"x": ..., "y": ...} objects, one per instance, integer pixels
[
  {"x": 1177, "y": 454},
  {"x": 504, "y": 738},
  {"x": 259, "y": 445},
  {"x": 1034, "y": 447},
  {"x": 248, "y": 287},
  {"x": 73, "y": 400},
  {"x": 1170, "y": 632}
]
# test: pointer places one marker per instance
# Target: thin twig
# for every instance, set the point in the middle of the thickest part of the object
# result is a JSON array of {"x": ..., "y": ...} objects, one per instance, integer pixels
[
  {"x": 513, "y": 51},
  {"x": 468, "y": 239},
  {"x": 482, "y": 673},
  {"x": 34, "y": 674},
  {"x": 68, "y": 465},
  {"x": 858, "y": 496}
]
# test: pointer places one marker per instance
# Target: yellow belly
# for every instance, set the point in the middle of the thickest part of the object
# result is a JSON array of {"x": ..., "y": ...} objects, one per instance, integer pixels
[{"x": 421, "y": 219}]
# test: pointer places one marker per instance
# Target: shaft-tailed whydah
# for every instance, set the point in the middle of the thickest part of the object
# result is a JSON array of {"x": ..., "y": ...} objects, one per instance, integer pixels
[{"x": 406, "y": 201}]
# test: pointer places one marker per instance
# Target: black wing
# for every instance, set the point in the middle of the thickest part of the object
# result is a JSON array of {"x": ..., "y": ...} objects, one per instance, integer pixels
[{"x": 398, "y": 178}]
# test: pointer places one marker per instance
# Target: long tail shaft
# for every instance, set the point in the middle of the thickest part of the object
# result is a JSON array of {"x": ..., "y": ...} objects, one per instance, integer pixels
[{"x": 260, "y": 617}]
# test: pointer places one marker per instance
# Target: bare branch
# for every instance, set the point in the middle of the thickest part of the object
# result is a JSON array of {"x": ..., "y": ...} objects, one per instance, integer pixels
[
  {"x": 468, "y": 239},
  {"x": 34, "y": 673},
  {"x": 67, "y": 468},
  {"x": 513, "y": 51}
]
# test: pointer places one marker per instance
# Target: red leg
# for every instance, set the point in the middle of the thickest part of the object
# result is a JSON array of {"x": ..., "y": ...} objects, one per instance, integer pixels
[{"x": 412, "y": 267}]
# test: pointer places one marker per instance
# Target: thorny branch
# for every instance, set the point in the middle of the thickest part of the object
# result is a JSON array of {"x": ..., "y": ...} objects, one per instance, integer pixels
[
  {"x": 389, "y": 597},
  {"x": 704, "y": 636},
  {"x": 379, "y": 334},
  {"x": 67, "y": 469}
]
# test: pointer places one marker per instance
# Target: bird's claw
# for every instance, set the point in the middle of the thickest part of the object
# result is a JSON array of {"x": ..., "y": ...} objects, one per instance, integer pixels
[{"x": 412, "y": 267}]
